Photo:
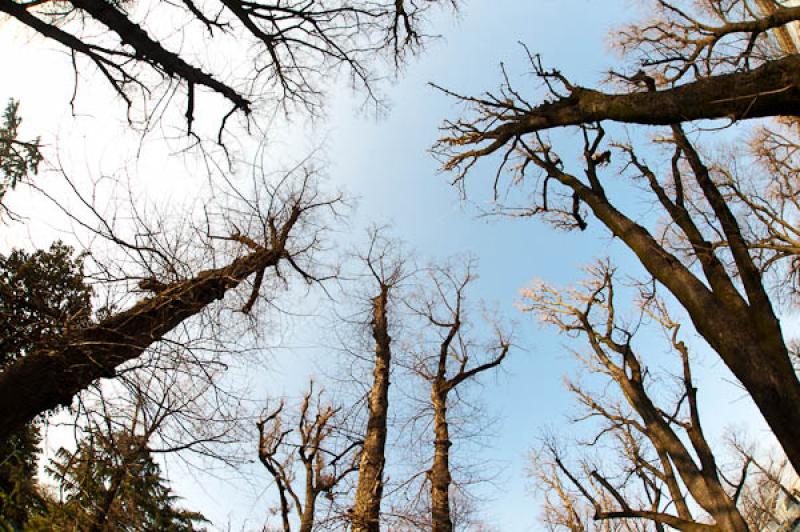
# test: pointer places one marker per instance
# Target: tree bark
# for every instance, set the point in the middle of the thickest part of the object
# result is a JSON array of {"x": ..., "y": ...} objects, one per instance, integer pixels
[
  {"x": 440, "y": 470},
  {"x": 772, "y": 89},
  {"x": 307, "y": 515},
  {"x": 749, "y": 343},
  {"x": 702, "y": 482},
  {"x": 51, "y": 377},
  {"x": 367, "y": 507}
]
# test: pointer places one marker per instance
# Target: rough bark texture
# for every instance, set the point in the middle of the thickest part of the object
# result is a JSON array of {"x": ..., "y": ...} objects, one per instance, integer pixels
[
  {"x": 367, "y": 506},
  {"x": 49, "y": 378},
  {"x": 440, "y": 470},
  {"x": 772, "y": 89}
]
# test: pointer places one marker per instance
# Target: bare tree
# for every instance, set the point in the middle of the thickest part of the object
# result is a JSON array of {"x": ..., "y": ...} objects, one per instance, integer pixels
[
  {"x": 284, "y": 228},
  {"x": 707, "y": 251},
  {"x": 710, "y": 59},
  {"x": 768, "y": 201},
  {"x": 668, "y": 467},
  {"x": 317, "y": 444},
  {"x": 386, "y": 271},
  {"x": 450, "y": 361},
  {"x": 771, "y": 496},
  {"x": 289, "y": 47},
  {"x": 177, "y": 394}
]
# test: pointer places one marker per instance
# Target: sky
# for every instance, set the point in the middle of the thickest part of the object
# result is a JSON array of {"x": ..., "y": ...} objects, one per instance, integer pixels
[{"x": 384, "y": 162}]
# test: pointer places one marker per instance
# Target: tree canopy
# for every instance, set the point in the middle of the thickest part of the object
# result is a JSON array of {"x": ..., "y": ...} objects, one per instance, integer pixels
[{"x": 176, "y": 324}]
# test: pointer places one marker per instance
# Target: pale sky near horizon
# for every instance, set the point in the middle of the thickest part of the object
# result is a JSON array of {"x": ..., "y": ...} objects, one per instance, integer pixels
[{"x": 384, "y": 163}]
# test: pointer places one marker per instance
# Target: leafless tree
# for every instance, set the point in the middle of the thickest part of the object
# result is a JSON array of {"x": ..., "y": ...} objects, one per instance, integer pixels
[
  {"x": 770, "y": 497},
  {"x": 669, "y": 475},
  {"x": 708, "y": 59},
  {"x": 711, "y": 249},
  {"x": 386, "y": 270},
  {"x": 317, "y": 445},
  {"x": 279, "y": 225},
  {"x": 766, "y": 196},
  {"x": 287, "y": 48},
  {"x": 449, "y": 360},
  {"x": 765, "y": 499},
  {"x": 179, "y": 395}
]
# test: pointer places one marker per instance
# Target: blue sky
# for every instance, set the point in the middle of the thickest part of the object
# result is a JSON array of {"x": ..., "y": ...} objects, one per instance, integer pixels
[{"x": 384, "y": 163}]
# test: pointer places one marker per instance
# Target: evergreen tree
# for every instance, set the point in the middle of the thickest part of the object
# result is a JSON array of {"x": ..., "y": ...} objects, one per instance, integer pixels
[
  {"x": 111, "y": 482},
  {"x": 18, "y": 158},
  {"x": 42, "y": 294},
  {"x": 19, "y": 496}
]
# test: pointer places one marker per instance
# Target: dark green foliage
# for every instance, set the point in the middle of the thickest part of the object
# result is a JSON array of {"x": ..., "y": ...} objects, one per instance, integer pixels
[
  {"x": 113, "y": 483},
  {"x": 42, "y": 294},
  {"x": 19, "y": 496},
  {"x": 18, "y": 158}
]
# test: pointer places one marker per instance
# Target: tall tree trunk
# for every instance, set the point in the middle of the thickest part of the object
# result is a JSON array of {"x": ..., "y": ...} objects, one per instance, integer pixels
[
  {"x": 367, "y": 507},
  {"x": 440, "y": 470},
  {"x": 284, "y": 508},
  {"x": 307, "y": 516},
  {"x": 726, "y": 515},
  {"x": 766, "y": 372},
  {"x": 307, "y": 519}
]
